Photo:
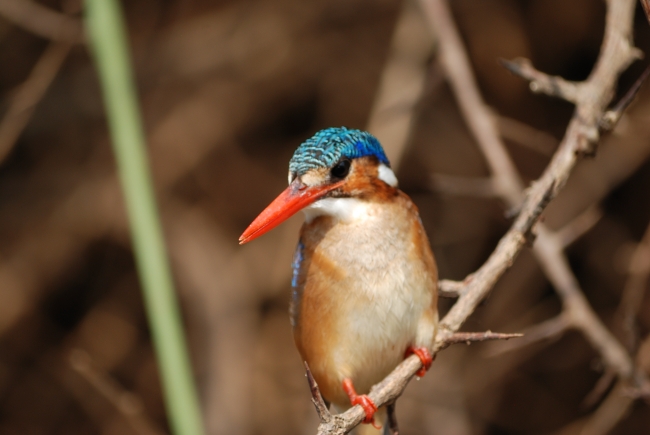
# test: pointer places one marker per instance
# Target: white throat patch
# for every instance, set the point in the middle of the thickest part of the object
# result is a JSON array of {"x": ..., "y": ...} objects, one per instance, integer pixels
[
  {"x": 343, "y": 209},
  {"x": 387, "y": 175}
]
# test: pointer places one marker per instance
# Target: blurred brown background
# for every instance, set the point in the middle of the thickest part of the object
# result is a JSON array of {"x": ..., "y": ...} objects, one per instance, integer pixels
[{"x": 228, "y": 90}]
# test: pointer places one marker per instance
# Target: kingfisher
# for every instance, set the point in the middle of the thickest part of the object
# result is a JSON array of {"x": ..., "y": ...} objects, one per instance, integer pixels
[{"x": 364, "y": 277}]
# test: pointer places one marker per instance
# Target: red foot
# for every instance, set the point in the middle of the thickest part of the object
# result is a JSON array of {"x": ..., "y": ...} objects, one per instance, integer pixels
[
  {"x": 425, "y": 357},
  {"x": 368, "y": 405}
]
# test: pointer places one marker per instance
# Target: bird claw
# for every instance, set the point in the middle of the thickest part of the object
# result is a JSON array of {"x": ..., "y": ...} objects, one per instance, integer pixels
[
  {"x": 425, "y": 357},
  {"x": 368, "y": 406},
  {"x": 362, "y": 400}
]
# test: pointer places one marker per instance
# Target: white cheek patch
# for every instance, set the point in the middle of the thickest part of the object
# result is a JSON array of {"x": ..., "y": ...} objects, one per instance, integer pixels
[
  {"x": 343, "y": 209},
  {"x": 387, "y": 175}
]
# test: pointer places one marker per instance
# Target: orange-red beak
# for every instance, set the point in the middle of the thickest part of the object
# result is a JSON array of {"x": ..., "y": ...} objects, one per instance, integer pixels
[{"x": 295, "y": 197}]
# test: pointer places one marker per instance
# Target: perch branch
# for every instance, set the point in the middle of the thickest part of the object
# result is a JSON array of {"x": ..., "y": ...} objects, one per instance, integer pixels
[
  {"x": 390, "y": 388},
  {"x": 616, "y": 54}
]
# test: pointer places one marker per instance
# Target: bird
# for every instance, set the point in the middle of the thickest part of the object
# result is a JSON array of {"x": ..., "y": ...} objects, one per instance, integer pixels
[{"x": 364, "y": 283}]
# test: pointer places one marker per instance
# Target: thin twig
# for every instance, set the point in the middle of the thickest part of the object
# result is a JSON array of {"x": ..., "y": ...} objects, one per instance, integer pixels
[
  {"x": 29, "y": 94},
  {"x": 525, "y": 135},
  {"x": 321, "y": 407},
  {"x": 634, "y": 290},
  {"x": 126, "y": 403},
  {"x": 43, "y": 21},
  {"x": 611, "y": 117},
  {"x": 542, "y": 83},
  {"x": 579, "y": 226},
  {"x": 619, "y": 400},
  {"x": 599, "y": 389},
  {"x": 449, "y": 289}
]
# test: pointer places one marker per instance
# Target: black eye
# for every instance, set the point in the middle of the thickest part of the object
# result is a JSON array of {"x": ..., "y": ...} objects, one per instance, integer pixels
[{"x": 341, "y": 169}]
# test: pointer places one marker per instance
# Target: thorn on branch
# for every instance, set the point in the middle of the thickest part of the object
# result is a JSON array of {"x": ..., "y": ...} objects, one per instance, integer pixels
[
  {"x": 541, "y": 83},
  {"x": 473, "y": 337},
  {"x": 547, "y": 330},
  {"x": 610, "y": 118},
  {"x": 321, "y": 407}
]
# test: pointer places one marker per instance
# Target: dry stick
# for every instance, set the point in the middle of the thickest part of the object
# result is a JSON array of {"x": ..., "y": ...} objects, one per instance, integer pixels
[
  {"x": 402, "y": 83},
  {"x": 633, "y": 292},
  {"x": 617, "y": 403},
  {"x": 29, "y": 94},
  {"x": 43, "y": 21},
  {"x": 579, "y": 226},
  {"x": 615, "y": 406},
  {"x": 126, "y": 403},
  {"x": 548, "y": 248},
  {"x": 615, "y": 56},
  {"x": 524, "y": 135}
]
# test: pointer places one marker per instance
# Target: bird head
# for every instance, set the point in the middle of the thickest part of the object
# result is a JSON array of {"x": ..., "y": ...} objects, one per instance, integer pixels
[{"x": 334, "y": 163}]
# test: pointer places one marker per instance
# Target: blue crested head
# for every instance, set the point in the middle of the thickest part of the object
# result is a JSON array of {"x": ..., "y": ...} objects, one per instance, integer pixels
[{"x": 328, "y": 146}]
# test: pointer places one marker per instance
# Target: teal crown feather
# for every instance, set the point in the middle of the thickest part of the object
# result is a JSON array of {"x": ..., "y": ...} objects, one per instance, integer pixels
[{"x": 329, "y": 146}]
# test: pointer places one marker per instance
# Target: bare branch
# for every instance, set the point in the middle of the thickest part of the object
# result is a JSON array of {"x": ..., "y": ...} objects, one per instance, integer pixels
[
  {"x": 611, "y": 117},
  {"x": 619, "y": 400},
  {"x": 601, "y": 387},
  {"x": 42, "y": 21},
  {"x": 126, "y": 403},
  {"x": 542, "y": 83},
  {"x": 579, "y": 226},
  {"x": 633, "y": 292},
  {"x": 525, "y": 135},
  {"x": 321, "y": 407},
  {"x": 29, "y": 94}
]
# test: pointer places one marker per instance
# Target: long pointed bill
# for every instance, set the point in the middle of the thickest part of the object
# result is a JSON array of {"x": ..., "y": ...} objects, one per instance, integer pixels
[{"x": 296, "y": 197}]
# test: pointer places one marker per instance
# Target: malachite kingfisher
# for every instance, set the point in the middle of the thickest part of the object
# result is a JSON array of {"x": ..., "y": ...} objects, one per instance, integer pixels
[{"x": 364, "y": 277}]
